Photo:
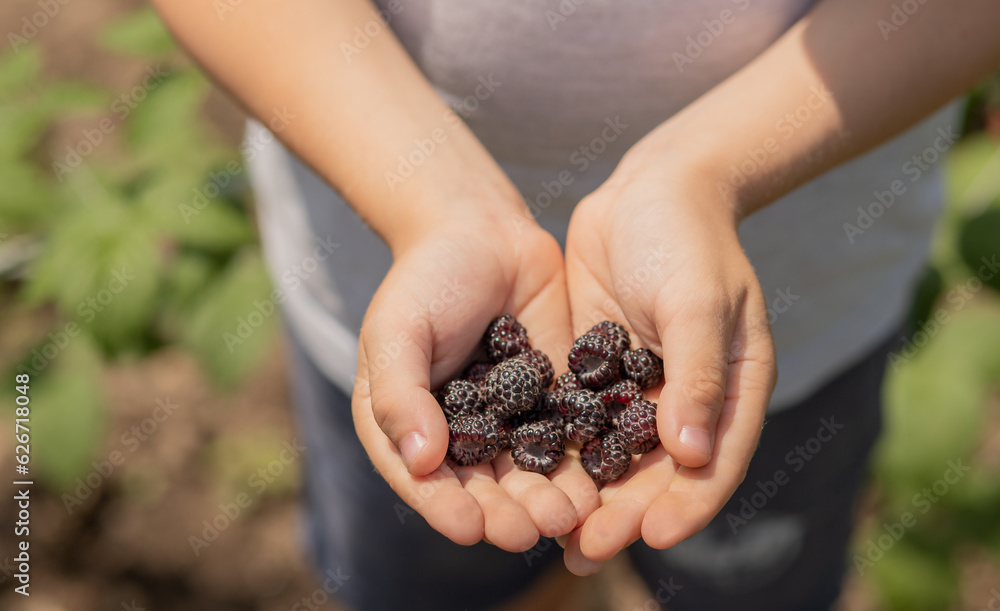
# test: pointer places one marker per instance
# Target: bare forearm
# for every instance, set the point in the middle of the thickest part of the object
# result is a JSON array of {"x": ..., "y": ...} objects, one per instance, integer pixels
[
  {"x": 843, "y": 80},
  {"x": 354, "y": 114}
]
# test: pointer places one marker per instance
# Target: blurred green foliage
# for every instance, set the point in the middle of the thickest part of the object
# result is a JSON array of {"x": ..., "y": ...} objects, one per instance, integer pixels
[
  {"x": 132, "y": 258},
  {"x": 111, "y": 231},
  {"x": 938, "y": 388}
]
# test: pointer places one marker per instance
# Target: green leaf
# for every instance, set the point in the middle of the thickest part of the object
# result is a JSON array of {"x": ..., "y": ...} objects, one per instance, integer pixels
[
  {"x": 141, "y": 33},
  {"x": 68, "y": 420},
  {"x": 909, "y": 578},
  {"x": 925, "y": 296},
  {"x": 26, "y": 199},
  {"x": 100, "y": 265},
  {"x": 935, "y": 398},
  {"x": 189, "y": 275},
  {"x": 193, "y": 219},
  {"x": 66, "y": 96},
  {"x": 232, "y": 325},
  {"x": 979, "y": 245},
  {"x": 22, "y": 126},
  {"x": 973, "y": 173},
  {"x": 170, "y": 112},
  {"x": 168, "y": 134},
  {"x": 18, "y": 70}
]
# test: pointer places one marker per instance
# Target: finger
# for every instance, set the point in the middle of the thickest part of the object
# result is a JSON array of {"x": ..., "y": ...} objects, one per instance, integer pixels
[
  {"x": 546, "y": 316},
  {"x": 695, "y": 340},
  {"x": 551, "y": 510},
  {"x": 697, "y": 495},
  {"x": 590, "y": 301},
  {"x": 575, "y": 561},
  {"x": 438, "y": 496},
  {"x": 573, "y": 480},
  {"x": 618, "y": 522},
  {"x": 397, "y": 342},
  {"x": 507, "y": 524}
]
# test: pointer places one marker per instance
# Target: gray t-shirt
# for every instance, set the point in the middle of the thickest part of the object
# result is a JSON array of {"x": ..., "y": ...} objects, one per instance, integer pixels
[{"x": 557, "y": 91}]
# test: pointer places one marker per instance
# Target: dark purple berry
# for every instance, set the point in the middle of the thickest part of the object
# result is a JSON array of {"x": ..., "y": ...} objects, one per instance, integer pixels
[
  {"x": 567, "y": 381},
  {"x": 616, "y": 333},
  {"x": 617, "y": 397},
  {"x": 506, "y": 426},
  {"x": 594, "y": 360},
  {"x": 637, "y": 424},
  {"x": 505, "y": 338},
  {"x": 540, "y": 361},
  {"x": 473, "y": 439},
  {"x": 477, "y": 372},
  {"x": 605, "y": 458},
  {"x": 461, "y": 397},
  {"x": 643, "y": 366},
  {"x": 583, "y": 415},
  {"x": 549, "y": 408},
  {"x": 513, "y": 386},
  {"x": 537, "y": 446}
]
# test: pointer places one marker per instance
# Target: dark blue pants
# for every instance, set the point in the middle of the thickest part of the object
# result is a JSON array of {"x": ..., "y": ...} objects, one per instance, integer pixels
[{"x": 779, "y": 544}]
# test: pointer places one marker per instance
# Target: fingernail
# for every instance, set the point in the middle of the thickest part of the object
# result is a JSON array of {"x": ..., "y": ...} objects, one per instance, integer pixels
[
  {"x": 697, "y": 439},
  {"x": 410, "y": 448}
]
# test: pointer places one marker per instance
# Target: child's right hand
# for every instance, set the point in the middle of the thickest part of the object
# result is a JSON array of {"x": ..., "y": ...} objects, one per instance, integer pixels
[{"x": 422, "y": 325}]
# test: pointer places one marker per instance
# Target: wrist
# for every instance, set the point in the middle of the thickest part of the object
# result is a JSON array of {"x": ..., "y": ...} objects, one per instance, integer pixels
[
  {"x": 484, "y": 207},
  {"x": 655, "y": 174},
  {"x": 484, "y": 219},
  {"x": 721, "y": 174}
]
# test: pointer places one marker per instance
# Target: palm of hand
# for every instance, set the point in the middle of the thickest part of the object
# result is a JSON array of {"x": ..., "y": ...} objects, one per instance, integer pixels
[
  {"x": 678, "y": 278},
  {"x": 422, "y": 325}
]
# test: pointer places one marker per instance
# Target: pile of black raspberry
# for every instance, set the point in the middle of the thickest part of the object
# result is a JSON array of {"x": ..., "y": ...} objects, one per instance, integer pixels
[
  {"x": 503, "y": 402},
  {"x": 601, "y": 400}
]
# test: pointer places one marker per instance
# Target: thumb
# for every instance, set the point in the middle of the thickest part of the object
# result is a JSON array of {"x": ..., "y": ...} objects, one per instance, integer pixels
[
  {"x": 397, "y": 349},
  {"x": 695, "y": 343}
]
